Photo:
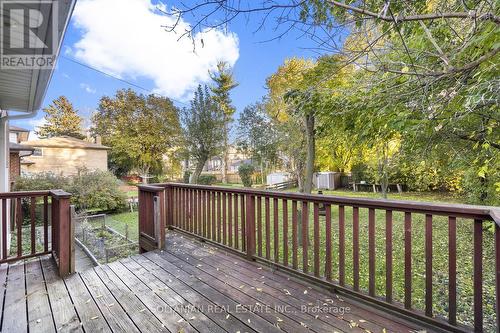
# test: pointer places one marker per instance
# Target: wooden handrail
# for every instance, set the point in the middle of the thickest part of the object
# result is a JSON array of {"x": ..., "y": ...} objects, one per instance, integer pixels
[
  {"x": 15, "y": 205},
  {"x": 241, "y": 220},
  {"x": 442, "y": 209}
]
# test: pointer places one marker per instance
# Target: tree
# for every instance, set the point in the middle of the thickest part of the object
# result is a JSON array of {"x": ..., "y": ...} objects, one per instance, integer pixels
[
  {"x": 257, "y": 136},
  {"x": 61, "y": 119},
  {"x": 140, "y": 130},
  {"x": 292, "y": 129},
  {"x": 299, "y": 89},
  {"x": 223, "y": 83},
  {"x": 429, "y": 69},
  {"x": 203, "y": 126}
]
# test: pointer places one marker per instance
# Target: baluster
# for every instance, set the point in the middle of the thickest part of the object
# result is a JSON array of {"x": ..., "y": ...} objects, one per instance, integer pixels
[
  {"x": 224, "y": 222},
  {"x": 214, "y": 229},
  {"x": 243, "y": 224},
  {"x": 295, "y": 244},
  {"x": 19, "y": 228},
  {"x": 4, "y": 228},
  {"x": 268, "y": 228},
  {"x": 191, "y": 211},
  {"x": 219, "y": 219},
  {"x": 341, "y": 245},
  {"x": 328, "y": 230},
  {"x": 316, "y": 238},
  {"x": 209, "y": 215},
  {"x": 407, "y": 234},
  {"x": 32, "y": 224},
  {"x": 452, "y": 269},
  {"x": 371, "y": 251},
  {"x": 236, "y": 237},
  {"x": 478, "y": 275},
  {"x": 204, "y": 212},
  {"x": 305, "y": 236},
  {"x": 388, "y": 256},
  {"x": 428, "y": 265},
  {"x": 285, "y": 232},
  {"x": 250, "y": 225},
  {"x": 259, "y": 225},
  {"x": 195, "y": 211},
  {"x": 230, "y": 218},
  {"x": 497, "y": 275},
  {"x": 355, "y": 247},
  {"x": 276, "y": 231}
]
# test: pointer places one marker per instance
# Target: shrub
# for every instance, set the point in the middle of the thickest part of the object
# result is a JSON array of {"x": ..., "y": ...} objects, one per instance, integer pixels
[
  {"x": 97, "y": 190},
  {"x": 41, "y": 182},
  {"x": 359, "y": 172},
  {"x": 246, "y": 171},
  {"x": 207, "y": 179},
  {"x": 90, "y": 190}
]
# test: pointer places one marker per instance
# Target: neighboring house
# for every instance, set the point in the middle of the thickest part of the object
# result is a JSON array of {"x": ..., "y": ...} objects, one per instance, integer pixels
[
  {"x": 17, "y": 151},
  {"x": 65, "y": 155},
  {"x": 235, "y": 159}
]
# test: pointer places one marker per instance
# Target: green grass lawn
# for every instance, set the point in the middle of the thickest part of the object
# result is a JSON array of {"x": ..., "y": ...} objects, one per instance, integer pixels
[
  {"x": 440, "y": 251},
  {"x": 119, "y": 222}
]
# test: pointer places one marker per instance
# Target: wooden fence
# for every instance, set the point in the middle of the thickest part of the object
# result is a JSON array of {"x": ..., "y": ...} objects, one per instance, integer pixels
[{"x": 339, "y": 241}]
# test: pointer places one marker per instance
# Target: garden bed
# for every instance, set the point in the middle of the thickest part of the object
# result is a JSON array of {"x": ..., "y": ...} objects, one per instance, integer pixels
[{"x": 104, "y": 243}]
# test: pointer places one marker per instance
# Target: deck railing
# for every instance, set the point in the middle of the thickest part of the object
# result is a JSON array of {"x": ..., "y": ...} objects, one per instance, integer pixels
[
  {"x": 438, "y": 264},
  {"x": 37, "y": 223}
]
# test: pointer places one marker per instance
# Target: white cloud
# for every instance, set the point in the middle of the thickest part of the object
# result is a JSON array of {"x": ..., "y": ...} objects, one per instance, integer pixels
[
  {"x": 35, "y": 124},
  {"x": 87, "y": 88},
  {"x": 126, "y": 38}
]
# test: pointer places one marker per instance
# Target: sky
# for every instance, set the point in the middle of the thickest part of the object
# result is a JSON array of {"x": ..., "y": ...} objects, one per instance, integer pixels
[{"x": 126, "y": 40}]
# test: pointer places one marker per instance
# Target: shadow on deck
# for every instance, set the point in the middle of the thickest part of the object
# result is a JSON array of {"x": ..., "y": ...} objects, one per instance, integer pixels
[{"x": 189, "y": 287}]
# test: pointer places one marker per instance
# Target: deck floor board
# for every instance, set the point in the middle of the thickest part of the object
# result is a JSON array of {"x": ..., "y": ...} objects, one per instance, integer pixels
[
  {"x": 189, "y": 287},
  {"x": 281, "y": 284}
]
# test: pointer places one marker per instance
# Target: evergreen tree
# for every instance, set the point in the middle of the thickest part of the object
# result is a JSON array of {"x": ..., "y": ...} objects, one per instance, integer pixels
[
  {"x": 61, "y": 119},
  {"x": 203, "y": 133},
  {"x": 224, "y": 83}
]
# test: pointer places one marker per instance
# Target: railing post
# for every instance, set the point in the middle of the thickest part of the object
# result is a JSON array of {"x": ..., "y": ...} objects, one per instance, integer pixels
[
  {"x": 62, "y": 231},
  {"x": 250, "y": 225},
  {"x": 169, "y": 215},
  {"x": 151, "y": 217}
]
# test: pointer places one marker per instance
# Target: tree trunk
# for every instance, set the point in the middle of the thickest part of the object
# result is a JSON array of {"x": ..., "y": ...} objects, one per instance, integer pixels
[
  {"x": 311, "y": 151},
  {"x": 145, "y": 174},
  {"x": 383, "y": 165},
  {"x": 225, "y": 154},
  {"x": 200, "y": 163}
]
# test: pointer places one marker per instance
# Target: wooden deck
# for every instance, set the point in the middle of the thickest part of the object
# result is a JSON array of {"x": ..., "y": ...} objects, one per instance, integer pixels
[{"x": 189, "y": 287}]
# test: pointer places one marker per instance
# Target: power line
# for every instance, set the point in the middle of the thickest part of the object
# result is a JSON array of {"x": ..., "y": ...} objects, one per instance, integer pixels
[{"x": 120, "y": 79}]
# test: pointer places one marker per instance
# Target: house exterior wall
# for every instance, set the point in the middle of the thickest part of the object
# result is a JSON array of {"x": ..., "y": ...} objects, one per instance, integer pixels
[
  {"x": 67, "y": 161},
  {"x": 14, "y": 166}
]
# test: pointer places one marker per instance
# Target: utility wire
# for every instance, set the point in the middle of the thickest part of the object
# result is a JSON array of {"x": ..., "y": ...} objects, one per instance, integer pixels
[{"x": 120, "y": 79}]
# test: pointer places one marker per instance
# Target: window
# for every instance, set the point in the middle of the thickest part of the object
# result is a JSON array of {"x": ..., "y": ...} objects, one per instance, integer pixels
[{"x": 38, "y": 152}]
